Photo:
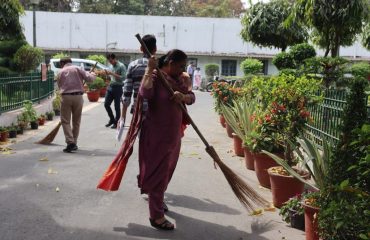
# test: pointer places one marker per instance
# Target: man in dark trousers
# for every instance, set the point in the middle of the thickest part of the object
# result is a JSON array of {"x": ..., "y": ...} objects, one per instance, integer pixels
[
  {"x": 135, "y": 73},
  {"x": 114, "y": 91},
  {"x": 70, "y": 82}
]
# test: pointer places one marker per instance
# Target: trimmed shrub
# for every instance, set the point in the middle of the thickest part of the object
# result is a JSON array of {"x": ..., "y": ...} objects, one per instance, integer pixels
[
  {"x": 9, "y": 47},
  {"x": 361, "y": 69},
  {"x": 283, "y": 60},
  {"x": 211, "y": 69},
  {"x": 28, "y": 58},
  {"x": 302, "y": 51},
  {"x": 98, "y": 58},
  {"x": 251, "y": 66}
]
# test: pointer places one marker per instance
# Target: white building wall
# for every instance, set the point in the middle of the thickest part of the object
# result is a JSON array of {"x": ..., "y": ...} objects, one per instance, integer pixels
[{"x": 217, "y": 37}]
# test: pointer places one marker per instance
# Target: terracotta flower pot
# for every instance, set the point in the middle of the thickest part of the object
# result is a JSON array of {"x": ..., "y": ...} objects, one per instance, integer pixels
[
  {"x": 41, "y": 121},
  {"x": 4, "y": 136},
  {"x": 311, "y": 223},
  {"x": 238, "y": 146},
  {"x": 103, "y": 91},
  {"x": 93, "y": 96},
  {"x": 284, "y": 187},
  {"x": 262, "y": 162},
  {"x": 229, "y": 130},
  {"x": 249, "y": 160},
  {"x": 222, "y": 121}
]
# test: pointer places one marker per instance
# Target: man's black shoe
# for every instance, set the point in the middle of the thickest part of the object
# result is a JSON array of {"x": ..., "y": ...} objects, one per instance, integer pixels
[
  {"x": 74, "y": 147},
  {"x": 70, "y": 147},
  {"x": 114, "y": 126},
  {"x": 109, "y": 123}
]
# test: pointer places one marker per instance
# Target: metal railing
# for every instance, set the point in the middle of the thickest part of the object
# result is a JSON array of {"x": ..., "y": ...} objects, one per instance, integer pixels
[
  {"x": 327, "y": 116},
  {"x": 15, "y": 88}
]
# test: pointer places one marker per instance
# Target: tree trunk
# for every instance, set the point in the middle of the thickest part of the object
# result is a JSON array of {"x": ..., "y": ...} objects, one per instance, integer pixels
[
  {"x": 327, "y": 50},
  {"x": 335, "y": 48}
]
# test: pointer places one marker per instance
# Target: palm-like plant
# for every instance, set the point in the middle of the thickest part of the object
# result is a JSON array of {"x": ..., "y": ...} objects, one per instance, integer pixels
[
  {"x": 314, "y": 162},
  {"x": 239, "y": 117}
]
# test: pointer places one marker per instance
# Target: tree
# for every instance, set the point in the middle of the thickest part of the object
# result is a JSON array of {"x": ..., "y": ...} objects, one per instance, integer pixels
[
  {"x": 10, "y": 27},
  {"x": 366, "y": 36},
  {"x": 333, "y": 23},
  {"x": 263, "y": 25},
  {"x": 27, "y": 58}
]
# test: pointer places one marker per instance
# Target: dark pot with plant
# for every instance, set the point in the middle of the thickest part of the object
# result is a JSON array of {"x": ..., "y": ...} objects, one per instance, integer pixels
[
  {"x": 12, "y": 132},
  {"x": 30, "y": 114},
  {"x": 4, "y": 134},
  {"x": 34, "y": 122},
  {"x": 20, "y": 130},
  {"x": 293, "y": 212},
  {"x": 50, "y": 115}
]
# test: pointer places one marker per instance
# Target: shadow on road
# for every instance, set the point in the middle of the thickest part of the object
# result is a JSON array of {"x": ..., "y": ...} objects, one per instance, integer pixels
[
  {"x": 205, "y": 205},
  {"x": 188, "y": 228}
]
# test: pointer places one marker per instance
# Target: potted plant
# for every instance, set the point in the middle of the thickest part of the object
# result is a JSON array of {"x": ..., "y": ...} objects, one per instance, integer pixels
[
  {"x": 57, "y": 103},
  {"x": 50, "y": 115},
  {"x": 93, "y": 93},
  {"x": 29, "y": 113},
  {"x": 22, "y": 122},
  {"x": 34, "y": 122},
  {"x": 41, "y": 119},
  {"x": 19, "y": 130},
  {"x": 293, "y": 212},
  {"x": 316, "y": 163},
  {"x": 12, "y": 131},
  {"x": 4, "y": 134},
  {"x": 239, "y": 117}
]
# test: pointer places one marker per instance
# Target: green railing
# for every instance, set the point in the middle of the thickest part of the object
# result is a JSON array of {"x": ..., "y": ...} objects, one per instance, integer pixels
[
  {"x": 327, "y": 116},
  {"x": 16, "y": 88}
]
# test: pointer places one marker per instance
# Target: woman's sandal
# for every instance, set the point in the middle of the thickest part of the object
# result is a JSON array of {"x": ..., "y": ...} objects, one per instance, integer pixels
[{"x": 166, "y": 225}]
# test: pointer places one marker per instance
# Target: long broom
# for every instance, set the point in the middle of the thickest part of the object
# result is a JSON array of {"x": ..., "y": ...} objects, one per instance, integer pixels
[
  {"x": 51, "y": 136},
  {"x": 245, "y": 194}
]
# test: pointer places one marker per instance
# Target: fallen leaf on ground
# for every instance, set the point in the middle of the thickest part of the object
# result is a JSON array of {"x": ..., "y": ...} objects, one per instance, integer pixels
[
  {"x": 256, "y": 212},
  {"x": 57, "y": 189},
  {"x": 44, "y": 159},
  {"x": 193, "y": 154},
  {"x": 270, "y": 208},
  {"x": 51, "y": 171}
]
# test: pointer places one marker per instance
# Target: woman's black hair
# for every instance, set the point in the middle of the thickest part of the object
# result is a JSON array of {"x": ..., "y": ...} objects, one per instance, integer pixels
[{"x": 174, "y": 55}]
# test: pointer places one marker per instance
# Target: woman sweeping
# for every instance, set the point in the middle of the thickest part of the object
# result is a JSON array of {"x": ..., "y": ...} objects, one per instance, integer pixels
[{"x": 161, "y": 132}]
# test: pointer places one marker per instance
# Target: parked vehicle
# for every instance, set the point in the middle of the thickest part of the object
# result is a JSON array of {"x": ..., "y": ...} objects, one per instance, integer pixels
[{"x": 83, "y": 63}]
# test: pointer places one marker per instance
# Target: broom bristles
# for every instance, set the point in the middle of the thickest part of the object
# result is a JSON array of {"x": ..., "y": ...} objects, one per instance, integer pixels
[
  {"x": 247, "y": 196},
  {"x": 50, "y": 137}
]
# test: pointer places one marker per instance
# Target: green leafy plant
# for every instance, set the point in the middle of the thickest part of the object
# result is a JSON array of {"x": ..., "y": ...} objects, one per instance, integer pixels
[
  {"x": 360, "y": 70},
  {"x": 302, "y": 51},
  {"x": 29, "y": 113},
  {"x": 50, "y": 114},
  {"x": 239, "y": 117},
  {"x": 312, "y": 160},
  {"x": 251, "y": 66},
  {"x": 293, "y": 204},
  {"x": 211, "y": 70},
  {"x": 98, "y": 58},
  {"x": 57, "y": 101},
  {"x": 97, "y": 84},
  {"x": 28, "y": 58},
  {"x": 283, "y": 60},
  {"x": 60, "y": 55}
]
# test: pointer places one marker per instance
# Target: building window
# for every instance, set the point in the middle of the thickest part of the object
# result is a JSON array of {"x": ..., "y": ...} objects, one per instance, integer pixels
[{"x": 228, "y": 67}]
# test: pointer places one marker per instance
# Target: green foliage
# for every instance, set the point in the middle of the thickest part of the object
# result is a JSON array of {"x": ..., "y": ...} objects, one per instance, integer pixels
[
  {"x": 366, "y": 36},
  {"x": 283, "y": 60},
  {"x": 57, "y": 101},
  {"x": 345, "y": 200},
  {"x": 346, "y": 20},
  {"x": 9, "y": 47},
  {"x": 251, "y": 66},
  {"x": 29, "y": 113},
  {"x": 263, "y": 25},
  {"x": 302, "y": 51},
  {"x": 211, "y": 69},
  {"x": 10, "y": 27},
  {"x": 5, "y": 71},
  {"x": 330, "y": 69},
  {"x": 28, "y": 58},
  {"x": 60, "y": 55},
  {"x": 98, "y": 58},
  {"x": 98, "y": 83},
  {"x": 360, "y": 70},
  {"x": 295, "y": 204}
]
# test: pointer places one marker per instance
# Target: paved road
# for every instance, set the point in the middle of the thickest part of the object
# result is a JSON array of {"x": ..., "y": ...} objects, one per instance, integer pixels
[{"x": 200, "y": 201}]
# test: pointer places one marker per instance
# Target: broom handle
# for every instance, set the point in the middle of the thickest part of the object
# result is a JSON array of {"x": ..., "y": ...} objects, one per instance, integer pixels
[{"x": 168, "y": 87}]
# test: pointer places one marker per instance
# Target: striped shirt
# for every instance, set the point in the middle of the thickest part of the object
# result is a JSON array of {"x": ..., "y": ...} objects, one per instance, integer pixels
[{"x": 135, "y": 72}]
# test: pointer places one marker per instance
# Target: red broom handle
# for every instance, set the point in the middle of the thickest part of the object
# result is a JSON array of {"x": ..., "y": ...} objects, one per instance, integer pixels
[{"x": 168, "y": 87}]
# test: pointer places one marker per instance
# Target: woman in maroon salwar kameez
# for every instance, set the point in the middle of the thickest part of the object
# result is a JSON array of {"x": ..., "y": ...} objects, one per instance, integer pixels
[{"x": 161, "y": 132}]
